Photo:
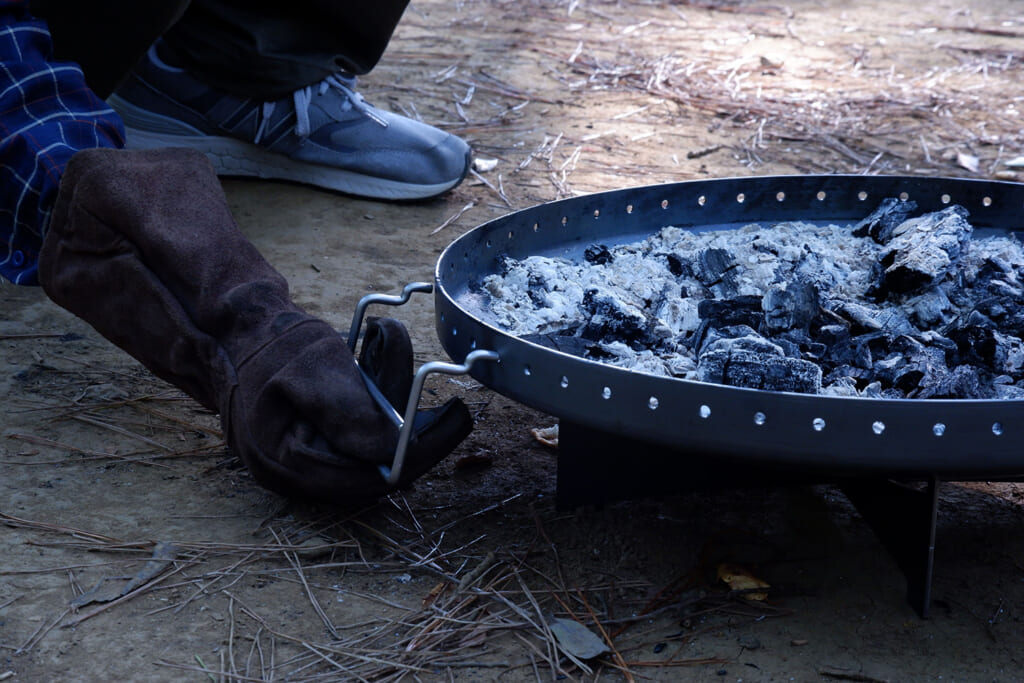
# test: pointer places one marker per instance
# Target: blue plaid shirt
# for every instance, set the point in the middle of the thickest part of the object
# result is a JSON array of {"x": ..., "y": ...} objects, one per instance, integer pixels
[{"x": 47, "y": 113}]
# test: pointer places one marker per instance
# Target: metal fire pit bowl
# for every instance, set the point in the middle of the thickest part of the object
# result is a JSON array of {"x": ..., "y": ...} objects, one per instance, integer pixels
[
  {"x": 912, "y": 439},
  {"x": 624, "y": 434}
]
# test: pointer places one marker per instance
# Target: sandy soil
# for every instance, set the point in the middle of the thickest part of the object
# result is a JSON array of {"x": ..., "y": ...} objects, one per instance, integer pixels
[{"x": 102, "y": 466}]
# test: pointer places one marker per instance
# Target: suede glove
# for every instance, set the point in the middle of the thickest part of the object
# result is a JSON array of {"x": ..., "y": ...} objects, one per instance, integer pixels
[{"x": 142, "y": 246}]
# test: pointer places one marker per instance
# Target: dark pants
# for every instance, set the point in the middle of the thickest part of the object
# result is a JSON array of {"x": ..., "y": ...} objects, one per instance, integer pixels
[{"x": 254, "y": 48}]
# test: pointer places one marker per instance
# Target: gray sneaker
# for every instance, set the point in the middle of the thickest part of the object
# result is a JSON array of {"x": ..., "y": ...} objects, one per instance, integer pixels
[{"x": 325, "y": 135}]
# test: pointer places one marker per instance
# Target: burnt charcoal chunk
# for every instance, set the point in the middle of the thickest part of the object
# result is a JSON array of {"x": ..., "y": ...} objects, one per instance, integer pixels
[
  {"x": 597, "y": 254},
  {"x": 759, "y": 371},
  {"x": 962, "y": 382},
  {"x": 610, "y": 319},
  {"x": 738, "y": 338},
  {"x": 884, "y": 219},
  {"x": 1008, "y": 392},
  {"x": 924, "y": 250},
  {"x": 789, "y": 306},
  {"x": 844, "y": 373},
  {"x": 975, "y": 345},
  {"x": 536, "y": 287},
  {"x": 714, "y": 314},
  {"x": 923, "y": 370},
  {"x": 677, "y": 266},
  {"x": 741, "y": 310},
  {"x": 716, "y": 270},
  {"x": 854, "y": 351},
  {"x": 861, "y": 318},
  {"x": 930, "y": 310},
  {"x": 896, "y": 324},
  {"x": 566, "y": 343},
  {"x": 830, "y": 335}
]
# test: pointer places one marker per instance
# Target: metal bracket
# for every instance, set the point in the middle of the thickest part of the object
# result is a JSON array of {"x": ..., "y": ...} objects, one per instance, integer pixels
[
  {"x": 387, "y": 299},
  {"x": 393, "y": 474},
  {"x": 406, "y": 423},
  {"x": 903, "y": 518}
]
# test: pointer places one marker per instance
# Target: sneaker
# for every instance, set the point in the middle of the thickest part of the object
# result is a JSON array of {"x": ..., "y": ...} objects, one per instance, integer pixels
[{"x": 325, "y": 135}]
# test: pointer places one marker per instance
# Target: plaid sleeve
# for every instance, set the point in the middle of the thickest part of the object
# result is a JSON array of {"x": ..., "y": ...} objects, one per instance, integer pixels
[{"x": 47, "y": 113}]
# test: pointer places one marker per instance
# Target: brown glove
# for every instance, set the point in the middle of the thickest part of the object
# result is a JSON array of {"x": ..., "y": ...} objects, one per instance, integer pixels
[{"x": 142, "y": 245}]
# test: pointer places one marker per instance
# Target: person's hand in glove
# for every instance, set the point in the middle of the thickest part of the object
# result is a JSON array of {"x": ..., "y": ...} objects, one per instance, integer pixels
[{"x": 142, "y": 245}]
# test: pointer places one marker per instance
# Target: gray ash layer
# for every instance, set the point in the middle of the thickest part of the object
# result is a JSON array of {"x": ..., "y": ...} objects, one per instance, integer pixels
[{"x": 897, "y": 306}]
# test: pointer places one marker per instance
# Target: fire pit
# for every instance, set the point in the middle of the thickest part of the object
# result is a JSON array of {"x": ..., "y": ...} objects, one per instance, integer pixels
[{"x": 625, "y": 434}]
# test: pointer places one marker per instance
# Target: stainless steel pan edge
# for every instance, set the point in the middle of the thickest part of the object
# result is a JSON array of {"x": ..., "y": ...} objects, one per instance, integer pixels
[{"x": 946, "y": 438}]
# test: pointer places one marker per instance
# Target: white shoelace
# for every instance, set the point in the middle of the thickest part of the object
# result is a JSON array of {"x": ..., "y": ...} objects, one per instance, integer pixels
[{"x": 304, "y": 96}]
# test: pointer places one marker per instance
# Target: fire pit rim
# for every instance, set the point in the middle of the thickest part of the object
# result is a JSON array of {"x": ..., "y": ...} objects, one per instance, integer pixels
[{"x": 856, "y": 433}]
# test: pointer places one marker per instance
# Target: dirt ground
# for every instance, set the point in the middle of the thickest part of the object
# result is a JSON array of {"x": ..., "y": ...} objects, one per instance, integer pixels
[{"x": 107, "y": 473}]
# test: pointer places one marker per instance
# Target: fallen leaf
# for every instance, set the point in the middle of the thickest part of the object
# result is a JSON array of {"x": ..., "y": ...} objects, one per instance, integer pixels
[
  {"x": 430, "y": 597},
  {"x": 740, "y": 579},
  {"x": 484, "y": 165},
  {"x": 968, "y": 161},
  {"x": 576, "y": 639},
  {"x": 110, "y": 588},
  {"x": 546, "y": 435}
]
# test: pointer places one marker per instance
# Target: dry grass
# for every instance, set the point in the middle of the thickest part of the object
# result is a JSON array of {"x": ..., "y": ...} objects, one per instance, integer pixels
[{"x": 631, "y": 81}]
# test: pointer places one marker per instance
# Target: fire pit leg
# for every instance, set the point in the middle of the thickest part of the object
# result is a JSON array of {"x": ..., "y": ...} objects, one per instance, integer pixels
[
  {"x": 903, "y": 518},
  {"x": 597, "y": 467}
]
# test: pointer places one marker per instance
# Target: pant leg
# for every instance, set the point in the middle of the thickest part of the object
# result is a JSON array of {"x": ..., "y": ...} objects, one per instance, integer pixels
[
  {"x": 106, "y": 38},
  {"x": 268, "y": 49},
  {"x": 47, "y": 114}
]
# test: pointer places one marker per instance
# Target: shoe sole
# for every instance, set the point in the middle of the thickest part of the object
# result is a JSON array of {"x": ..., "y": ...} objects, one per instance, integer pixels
[{"x": 236, "y": 158}]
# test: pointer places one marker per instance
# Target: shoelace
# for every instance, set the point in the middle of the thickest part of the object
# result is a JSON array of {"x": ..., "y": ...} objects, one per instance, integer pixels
[{"x": 304, "y": 96}]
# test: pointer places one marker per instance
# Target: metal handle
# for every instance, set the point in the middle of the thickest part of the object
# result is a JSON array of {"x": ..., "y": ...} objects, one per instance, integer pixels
[
  {"x": 387, "y": 299},
  {"x": 393, "y": 473},
  {"x": 407, "y": 423}
]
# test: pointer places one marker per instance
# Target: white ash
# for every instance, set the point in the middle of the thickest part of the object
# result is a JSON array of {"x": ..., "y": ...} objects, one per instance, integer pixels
[{"x": 934, "y": 292}]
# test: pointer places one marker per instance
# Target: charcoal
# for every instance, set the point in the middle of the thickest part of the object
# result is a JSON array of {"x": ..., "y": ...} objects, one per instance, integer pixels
[
  {"x": 754, "y": 370},
  {"x": 861, "y": 318},
  {"x": 1013, "y": 324},
  {"x": 975, "y": 345},
  {"x": 800, "y": 344},
  {"x": 813, "y": 351},
  {"x": 719, "y": 314},
  {"x": 789, "y": 305},
  {"x": 611, "y": 318},
  {"x": 896, "y": 324},
  {"x": 854, "y": 351},
  {"x": 925, "y": 369},
  {"x": 535, "y": 289},
  {"x": 566, "y": 343},
  {"x": 917, "y": 309},
  {"x": 880, "y": 224},
  {"x": 962, "y": 382},
  {"x": 933, "y": 338},
  {"x": 734, "y": 340},
  {"x": 841, "y": 386},
  {"x": 931, "y": 309},
  {"x": 923, "y": 250},
  {"x": 597, "y": 254},
  {"x": 872, "y": 390},
  {"x": 677, "y": 266},
  {"x": 1009, "y": 355},
  {"x": 830, "y": 335},
  {"x": 740, "y": 310},
  {"x": 976, "y": 318},
  {"x": 889, "y": 368},
  {"x": 716, "y": 270},
  {"x": 1008, "y": 392}
]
